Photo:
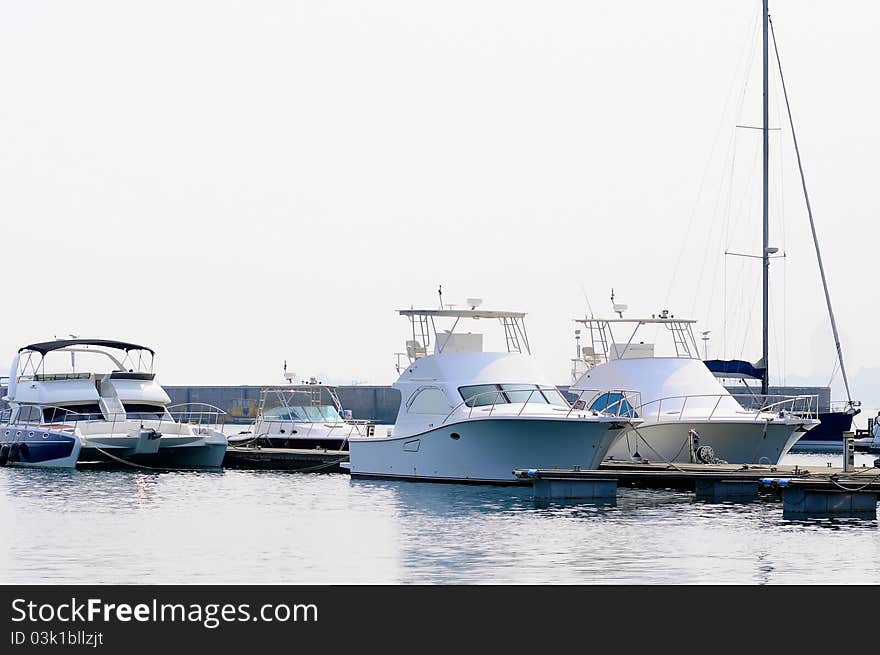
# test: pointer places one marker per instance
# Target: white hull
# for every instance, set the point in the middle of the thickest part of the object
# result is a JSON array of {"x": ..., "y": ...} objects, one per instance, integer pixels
[
  {"x": 737, "y": 442},
  {"x": 486, "y": 450},
  {"x": 191, "y": 447}
]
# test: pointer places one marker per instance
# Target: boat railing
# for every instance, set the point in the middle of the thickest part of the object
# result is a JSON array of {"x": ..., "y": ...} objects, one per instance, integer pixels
[
  {"x": 708, "y": 405},
  {"x": 274, "y": 428},
  {"x": 618, "y": 403},
  {"x": 196, "y": 413},
  {"x": 200, "y": 416}
]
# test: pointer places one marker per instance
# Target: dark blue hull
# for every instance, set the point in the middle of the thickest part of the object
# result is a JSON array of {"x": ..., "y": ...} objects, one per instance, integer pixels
[
  {"x": 31, "y": 446},
  {"x": 831, "y": 427}
]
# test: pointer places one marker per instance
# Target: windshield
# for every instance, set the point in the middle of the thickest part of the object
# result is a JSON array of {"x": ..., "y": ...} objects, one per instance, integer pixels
[
  {"x": 303, "y": 414},
  {"x": 480, "y": 395}
]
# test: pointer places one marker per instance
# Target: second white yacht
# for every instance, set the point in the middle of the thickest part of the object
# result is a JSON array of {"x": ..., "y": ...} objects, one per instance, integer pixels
[{"x": 688, "y": 415}]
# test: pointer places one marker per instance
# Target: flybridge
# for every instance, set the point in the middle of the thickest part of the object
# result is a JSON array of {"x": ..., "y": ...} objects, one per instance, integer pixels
[
  {"x": 615, "y": 338},
  {"x": 425, "y": 330}
]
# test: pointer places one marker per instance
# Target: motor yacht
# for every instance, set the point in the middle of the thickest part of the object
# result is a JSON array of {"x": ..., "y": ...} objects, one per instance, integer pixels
[
  {"x": 121, "y": 415},
  {"x": 470, "y": 415},
  {"x": 688, "y": 416}
]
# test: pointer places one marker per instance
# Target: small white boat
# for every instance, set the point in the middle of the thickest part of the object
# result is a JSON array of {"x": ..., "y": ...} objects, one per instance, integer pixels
[
  {"x": 122, "y": 415},
  {"x": 688, "y": 416},
  {"x": 306, "y": 417},
  {"x": 472, "y": 416}
]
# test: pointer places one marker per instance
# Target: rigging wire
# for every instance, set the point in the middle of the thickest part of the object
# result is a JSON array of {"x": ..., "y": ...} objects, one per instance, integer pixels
[
  {"x": 810, "y": 215},
  {"x": 744, "y": 53}
]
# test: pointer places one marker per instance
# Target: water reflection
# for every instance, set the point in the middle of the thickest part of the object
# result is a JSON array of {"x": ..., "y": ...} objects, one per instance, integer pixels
[{"x": 267, "y": 527}]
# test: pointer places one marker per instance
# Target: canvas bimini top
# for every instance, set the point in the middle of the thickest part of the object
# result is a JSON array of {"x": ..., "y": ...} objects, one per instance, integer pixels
[{"x": 48, "y": 346}]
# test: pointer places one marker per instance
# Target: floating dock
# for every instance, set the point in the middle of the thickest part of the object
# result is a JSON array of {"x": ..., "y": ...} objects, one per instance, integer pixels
[
  {"x": 315, "y": 460},
  {"x": 686, "y": 476},
  {"x": 820, "y": 492}
]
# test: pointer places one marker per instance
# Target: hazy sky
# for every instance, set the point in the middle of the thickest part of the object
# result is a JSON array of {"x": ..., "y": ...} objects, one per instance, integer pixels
[{"x": 239, "y": 183}]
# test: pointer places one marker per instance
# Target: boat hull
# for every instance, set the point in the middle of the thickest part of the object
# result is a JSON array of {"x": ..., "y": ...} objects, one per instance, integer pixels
[
  {"x": 485, "y": 450},
  {"x": 736, "y": 442},
  {"x": 35, "y": 448},
  {"x": 828, "y": 435},
  {"x": 174, "y": 452}
]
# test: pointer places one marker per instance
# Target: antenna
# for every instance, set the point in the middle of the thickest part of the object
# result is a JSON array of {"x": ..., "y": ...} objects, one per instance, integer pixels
[
  {"x": 440, "y": 293},
  {"x": 706, "y": 343},
  {"x": 73, "y": 355},
  {"x": 618, "y": 309},
  {"x": 589, "y": 306}
]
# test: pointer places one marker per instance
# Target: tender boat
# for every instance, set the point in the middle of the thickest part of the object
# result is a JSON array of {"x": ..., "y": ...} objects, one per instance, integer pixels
[
  {"x": 122, "y": 415},
  {"x": 688, "y": 416},
  {"x": 472, "y": 416},
  {"x": 305, "y": 417}
]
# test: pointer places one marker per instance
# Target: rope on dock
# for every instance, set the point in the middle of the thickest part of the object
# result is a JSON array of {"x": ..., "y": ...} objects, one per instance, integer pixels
[{"x": 833, "y": 480}]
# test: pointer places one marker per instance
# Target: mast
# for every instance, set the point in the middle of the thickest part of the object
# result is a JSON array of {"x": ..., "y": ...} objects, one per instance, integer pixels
[{"x": 765, "y": 333}]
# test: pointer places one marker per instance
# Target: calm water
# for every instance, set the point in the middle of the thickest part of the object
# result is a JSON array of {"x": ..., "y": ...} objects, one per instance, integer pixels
[{"x": 264, "y": 527}]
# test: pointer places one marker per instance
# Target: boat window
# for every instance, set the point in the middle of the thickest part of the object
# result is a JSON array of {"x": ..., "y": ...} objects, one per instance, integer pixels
[
  {"x": 523, "y": 393},
  {"x": 143, "y": 411},
  {"x": 614, "y": 403},
  {"x": 479, "y": 395},
  {"x": 85, "y": 412},
  {"x": 329, "y": 413},
  {"x": 313, "y": 413},
  {"x": 294, "y": 413},
  {"x": 429, "y": 400},
  {"x": 555, "y": 397},
  {"x": 29, "y": 414}
]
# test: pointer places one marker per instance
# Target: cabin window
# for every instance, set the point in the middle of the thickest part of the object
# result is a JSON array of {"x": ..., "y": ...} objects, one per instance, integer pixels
[
  {"x": 613, "y": 403},
  {"x": 482, "y": 395},
  {"x": 84, "y": 412},
  {"x": 29, "y": 414},
  {"x": 143, "y": 411},
  {"x": 555, "y": 397},
  {"x": 429, "y": 400},
  {"x": 523, "y": 393}
]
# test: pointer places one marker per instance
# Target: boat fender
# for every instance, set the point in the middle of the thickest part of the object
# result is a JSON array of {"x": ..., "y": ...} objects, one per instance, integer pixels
[
  {"x": 24, "y": 451},
  {"x": 14, "y": 450},
  {"x": 532, "y": 473},
  {"x": 4, "y": 454}
]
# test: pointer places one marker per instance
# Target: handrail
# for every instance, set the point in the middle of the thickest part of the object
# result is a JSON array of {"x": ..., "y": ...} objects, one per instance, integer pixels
[
  {"x": 620, "y": 403},
  {"x": 66, "y": 419},
  {"x": 802, "y": 405},
  {"x": 353, "y": 427}
]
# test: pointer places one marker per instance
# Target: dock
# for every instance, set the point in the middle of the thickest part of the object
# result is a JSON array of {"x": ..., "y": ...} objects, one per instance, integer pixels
[
  {"x": 820, "y": 492},
  {"x": 686, "y": 476},
  {"x": 315, "y": 460}
]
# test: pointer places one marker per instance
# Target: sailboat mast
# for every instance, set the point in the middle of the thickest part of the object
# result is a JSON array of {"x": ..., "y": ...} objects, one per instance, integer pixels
[{"x": 765, "y": 333}]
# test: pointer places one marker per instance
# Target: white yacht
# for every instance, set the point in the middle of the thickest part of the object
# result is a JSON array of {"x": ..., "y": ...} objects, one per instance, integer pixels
[
  {"x": 472, "y": 416},
  {"x": 122, "y": 415},
  {"x": 688, "y": 416},
  {"x": 309, "y": 416}
]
